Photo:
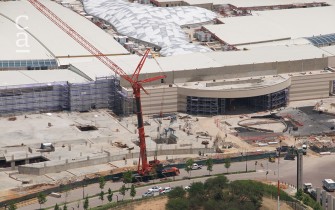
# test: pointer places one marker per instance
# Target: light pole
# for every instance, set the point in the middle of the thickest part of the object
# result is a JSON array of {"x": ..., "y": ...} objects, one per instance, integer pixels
[
  {"x": 84, "y": 185},
  {"x": 246, "y": 161}
]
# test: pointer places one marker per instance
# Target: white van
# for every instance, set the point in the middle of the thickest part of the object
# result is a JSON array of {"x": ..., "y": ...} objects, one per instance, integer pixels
[{"x": 329, "y": 185}]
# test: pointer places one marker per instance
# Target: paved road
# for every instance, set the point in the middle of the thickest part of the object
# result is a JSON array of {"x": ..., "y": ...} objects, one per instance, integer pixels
[{"x": 315, "y": 169}]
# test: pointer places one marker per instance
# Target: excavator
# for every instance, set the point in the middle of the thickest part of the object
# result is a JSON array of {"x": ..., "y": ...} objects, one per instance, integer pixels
[{"x": 144, "y": 168}]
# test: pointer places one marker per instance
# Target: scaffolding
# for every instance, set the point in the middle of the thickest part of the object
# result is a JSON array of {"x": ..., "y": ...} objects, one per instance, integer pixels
[
  {"x": 205, "y": 106},
  {"x": 60, "y": 96},
  {"x": 218, "y": 106}
]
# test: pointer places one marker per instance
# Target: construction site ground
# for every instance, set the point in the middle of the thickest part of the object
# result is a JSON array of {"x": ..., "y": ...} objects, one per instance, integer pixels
[{"x": 22, "y": 135}]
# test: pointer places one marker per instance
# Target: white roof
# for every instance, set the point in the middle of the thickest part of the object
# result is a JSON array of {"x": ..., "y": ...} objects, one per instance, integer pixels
[
  {"x": 239, "y": 3},
  {"x": 156, "y": 25},
  {"x": 95, "y": 68},
  {"x": 275, "y": 25},
  {"x": 329, "y": 49},
  {"x": 268, "y": 54},
  {"x": 13, "y": 45},
  {"x": 8, "y": 78},
  {"x": 301, "y": 22},
  {"x": 248, "y": 29},
  {"x": 298, "y": 41},
  {"x": 52, "y": 37}
]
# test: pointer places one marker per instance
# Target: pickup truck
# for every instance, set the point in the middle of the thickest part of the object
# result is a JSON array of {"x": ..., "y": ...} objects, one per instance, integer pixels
[{"x": 195, "y": 166}]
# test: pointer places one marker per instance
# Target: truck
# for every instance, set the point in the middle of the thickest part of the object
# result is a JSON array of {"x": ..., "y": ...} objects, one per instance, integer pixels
[
  {"x": 328, "y": 185},
  {"x": 195, "y": 166}
]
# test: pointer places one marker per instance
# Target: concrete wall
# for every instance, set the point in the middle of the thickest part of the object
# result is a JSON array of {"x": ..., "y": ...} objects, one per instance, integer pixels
[
  {"x": 63, "y": 165},
  {"x": 331, "y": 61},
  {"x": 309, "y": 86}
]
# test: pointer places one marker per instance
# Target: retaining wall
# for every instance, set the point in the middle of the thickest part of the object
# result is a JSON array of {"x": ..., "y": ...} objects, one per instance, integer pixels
[{"x": 57, "y": 166}]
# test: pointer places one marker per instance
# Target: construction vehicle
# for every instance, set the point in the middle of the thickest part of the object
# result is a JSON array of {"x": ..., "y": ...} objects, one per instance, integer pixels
[{"x": 144, "y": 168}]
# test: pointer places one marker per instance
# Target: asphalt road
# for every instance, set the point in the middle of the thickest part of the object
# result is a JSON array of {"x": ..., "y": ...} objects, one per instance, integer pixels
[{"x": 315, "y": 170}]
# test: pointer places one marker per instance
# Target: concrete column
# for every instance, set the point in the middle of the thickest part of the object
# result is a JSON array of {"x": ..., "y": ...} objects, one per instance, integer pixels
[
  {"x": 26, "y": 161},
  {"x": 70, "y": 148},
  {"x": 318, "y": 194},
  {"x": 324, "y": 197},
  {"x": 330, "y": 202},
  {"x": 12, "y": 163},
  {"x": 88, "y": 157},
  {"x": 66, "y": 161},
  {"x": 81, "y": 154},
  {"x": 299, "y": 170}
]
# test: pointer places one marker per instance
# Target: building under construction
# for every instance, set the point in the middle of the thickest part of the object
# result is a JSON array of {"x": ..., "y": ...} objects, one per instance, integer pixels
[{"x": 269, "y": 71}]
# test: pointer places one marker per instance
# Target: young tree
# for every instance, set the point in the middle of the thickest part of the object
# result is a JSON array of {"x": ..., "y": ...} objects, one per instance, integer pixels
[
  {"x": 66, "y": 189},
  {"x": 65, "y": 207},
  {"x": 188, "y": 166},
  {"x": 56, "y": 207},
  {"x": 41, "y": 199},
  {"x": 127, "y": 177},
  {"x": 110, "y": 195},
  {"x": 12, "y": 206},
  {"x": 132, "y": 191},
  {"x": 227, "y": 163},
  {"x": 102, "y": 182},
  {"x": 122, "y": 190},
  {"x": 101, "y": 196},
  {"x": 209, "y": 164},
  {"x": 86, "y": 203}
]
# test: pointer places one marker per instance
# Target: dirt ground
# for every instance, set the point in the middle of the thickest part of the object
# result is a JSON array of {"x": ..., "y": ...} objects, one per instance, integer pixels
[
  {"x": 159, "y": 204},
  {"x": 269, "y": 204}
]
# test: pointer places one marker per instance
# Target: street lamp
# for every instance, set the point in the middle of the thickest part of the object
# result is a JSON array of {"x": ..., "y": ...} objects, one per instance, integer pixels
[
  {"x": 84, "y": 185},
  {"x": 246, "y": 161}
]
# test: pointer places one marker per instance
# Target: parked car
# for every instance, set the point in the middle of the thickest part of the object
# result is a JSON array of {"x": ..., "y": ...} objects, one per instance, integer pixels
[
  {"x": 195, "y": 166},
  {"x": 165, "y": 190},
  {"x": 155, "y": 189},
  {"x": 186, "y": 187},
  {"x": 148, "y": 194}
]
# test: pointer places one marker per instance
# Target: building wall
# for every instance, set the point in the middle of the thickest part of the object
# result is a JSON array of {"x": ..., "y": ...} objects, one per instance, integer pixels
[{"x": 307, "y": 86}]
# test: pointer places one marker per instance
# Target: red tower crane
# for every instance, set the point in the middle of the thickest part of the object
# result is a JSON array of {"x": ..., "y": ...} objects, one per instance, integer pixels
[{"x": 143, "y": 167}]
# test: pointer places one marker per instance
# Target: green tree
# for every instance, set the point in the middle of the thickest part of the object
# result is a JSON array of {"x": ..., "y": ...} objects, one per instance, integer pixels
[
  {"x": 227, "y": 163},
  {"x": 317, "y": 206},
  {"x": 188, "y": 166},
  {"x": 41, "y": 199},
  {"x": 122, "y": 190},
  {"x": 110, "y": 195},
  {"x": 177, "y": 204},
  {"x": 127, "y": 177},
  {"x": 12, "y": 206},
  {"x": 86, "y": 203},
  {"x": 209, "y": 164},
  {"x": 101, "y": 196},
  {"x": 65, "y": 207},
  {"x": 196, "y": 195},
  {"x": 299, "y": 194},
  {"x": 132, "y": 191},
  {"x": 102, "y": 182},
  {"x": 177, "y": 192},
  {"x": 56, "y": 207}
]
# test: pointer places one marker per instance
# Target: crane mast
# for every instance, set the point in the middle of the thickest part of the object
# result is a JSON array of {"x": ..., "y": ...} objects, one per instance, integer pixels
[{"x": 143, "y": 167}]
